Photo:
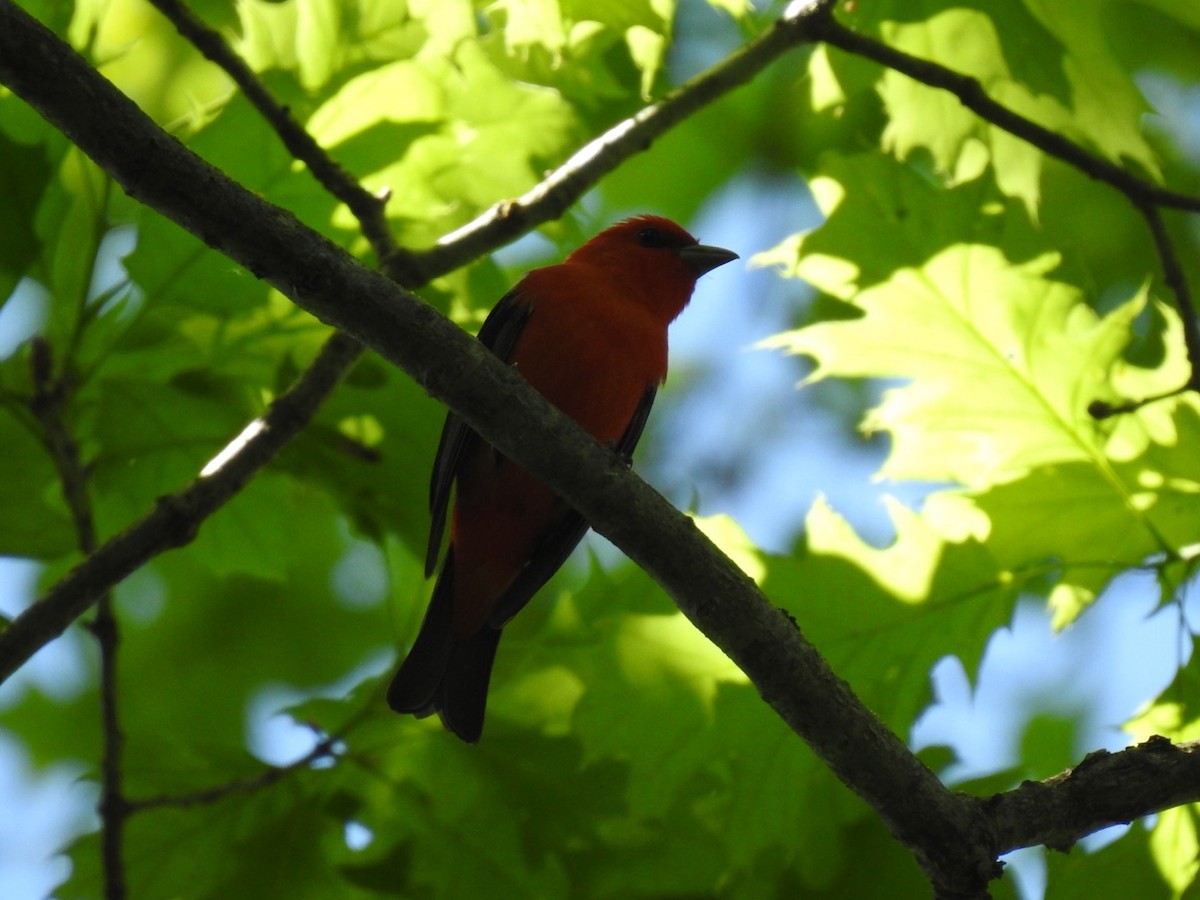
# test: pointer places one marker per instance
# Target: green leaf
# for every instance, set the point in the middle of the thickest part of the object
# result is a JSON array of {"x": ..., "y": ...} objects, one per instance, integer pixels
[
  {"x": 473, "y": 135},
  {"x": 529, "y": 23},
  {"x": 1107, "y": 108},
  {"x": 250, "y": 842},
  {"x": 1174, "y": 715},
  {"x": 947, "y": 597},
  {"x": 902, "y": 216},
  {"x": 24, "y": 177},
  {"x": 920, "y": 117},
  {"x": 1173, "y": 838},
  {"x": 141, "y": 52},
  {"x": 967, "y": 326},
  {"x": 881, "y": 869},
  {"x": 323, "y": 41},
  {"x": 1124, "y": 868},
  {"x": 644, "y": 24},
  {"x": 1086, "y": 522},
  {"x": 34, "y": 521},
  {"x": 381, "y": 487},
  {"x": 71, "y": 221},
  {"x": 1052, "y": 64},
  {"x": 1176, "y": 847},
  {"x": 150, "y": 439}
]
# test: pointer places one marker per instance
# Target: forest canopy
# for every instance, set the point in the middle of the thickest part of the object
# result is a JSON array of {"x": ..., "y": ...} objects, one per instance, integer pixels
[{"x": 244, "y": 246}]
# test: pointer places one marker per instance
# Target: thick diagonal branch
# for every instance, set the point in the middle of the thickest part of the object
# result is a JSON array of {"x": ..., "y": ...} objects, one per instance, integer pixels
[
  {"x": 76, "y": 112},
  {"x": 944, "y": 830}
]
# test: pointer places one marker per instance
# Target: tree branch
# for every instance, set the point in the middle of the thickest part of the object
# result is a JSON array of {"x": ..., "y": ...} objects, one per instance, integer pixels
[
  {"x": 973, "y": 96},
  {"x": 365, "y": 206},
  {"x": 51, "y": 394},
  {"x": 563, "y": 187},
  {"x": 956, "y": 839},
  {"x": 1105, "y": 789},
  {"x": 176, "y": 517},
  {"x": 1177, "y": 282},
  {"x": 1145, "y": 196},
  {"x": 945, "y": 831},
  {"x": 113, "y": 807},
  {"x": 325, "y": 749},
  {"x": 174, "y": 522}
]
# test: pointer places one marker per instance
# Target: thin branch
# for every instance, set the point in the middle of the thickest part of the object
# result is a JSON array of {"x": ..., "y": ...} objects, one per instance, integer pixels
[
  {"x": 563, "y": 187},
  {"x": 48, "y": 404},
  {"x": 113, "y": 807},
  {"x": 1145, "y": 196},
  {"x": 1105, "y": 789},
  {"x": 946, "y": 832},
  {"x": 176, "y": 517},
  {"x": 1103, "y": 409},
  {"x": 365, "y": 206},
  {"x": 973, "y": 96},
  {"x": 324, "y": 749},
  {"x": 1177, "y": 282}
]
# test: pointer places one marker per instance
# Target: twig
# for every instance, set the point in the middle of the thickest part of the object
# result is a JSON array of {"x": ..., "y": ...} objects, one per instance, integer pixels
[
  {"x": 973, "y": 96},
  {"x": 324, "y": 749},
  {"x": 176, "y": 517},
  {"x": 1145, "y": 196},
  {"x": 113, "y": 807},
  {"x": 46, "y": 404},
  {"x": 1103, "y": 409},
  {"x": 1177, "y": 282},
  {"x": 365, "y": 206},
  {"x": 50, "y": 397},
  {"x": 558, "y": 191}
]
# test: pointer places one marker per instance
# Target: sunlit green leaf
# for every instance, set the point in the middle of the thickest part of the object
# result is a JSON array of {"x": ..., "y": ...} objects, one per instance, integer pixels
[
  {"x": 1124, "y": 866},
  {"x": 968, "y": 326}
]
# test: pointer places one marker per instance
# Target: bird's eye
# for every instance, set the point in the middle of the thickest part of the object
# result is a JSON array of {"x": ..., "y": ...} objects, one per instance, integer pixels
[{"x": 651, "y": 237}]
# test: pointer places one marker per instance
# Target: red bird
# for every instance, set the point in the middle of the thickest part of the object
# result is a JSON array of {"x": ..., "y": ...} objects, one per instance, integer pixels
[{"x": 591, "y": 335}]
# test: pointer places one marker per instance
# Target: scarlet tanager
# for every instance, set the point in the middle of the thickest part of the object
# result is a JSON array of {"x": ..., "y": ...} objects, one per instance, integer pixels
[{"x": 591, "y": 335}]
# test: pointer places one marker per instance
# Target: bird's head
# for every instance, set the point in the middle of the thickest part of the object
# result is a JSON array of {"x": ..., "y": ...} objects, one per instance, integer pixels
[{"x": 653, "y": 255}]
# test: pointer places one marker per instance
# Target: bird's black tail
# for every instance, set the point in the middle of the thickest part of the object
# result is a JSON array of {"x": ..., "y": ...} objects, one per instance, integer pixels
[{"x": 446, "y": 675}]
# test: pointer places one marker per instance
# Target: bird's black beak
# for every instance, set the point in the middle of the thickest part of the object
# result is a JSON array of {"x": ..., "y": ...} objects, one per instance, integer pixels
[{"x": 701, "y": 258}]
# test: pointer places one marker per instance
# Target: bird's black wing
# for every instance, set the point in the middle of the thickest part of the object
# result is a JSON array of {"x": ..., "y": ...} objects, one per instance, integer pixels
[
  {"x": 556, "y": 545},
  {"x": 633, "y": 431},
  {"x": 499, "y": 334}
]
